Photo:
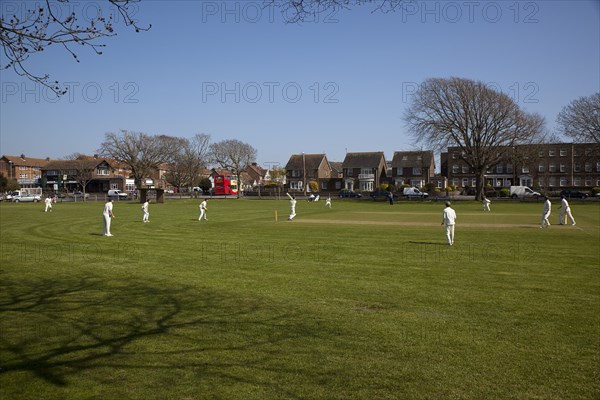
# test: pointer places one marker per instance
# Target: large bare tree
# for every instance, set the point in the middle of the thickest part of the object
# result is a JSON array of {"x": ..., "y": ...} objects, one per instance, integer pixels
[
  {"x": 190, "y": 161},
  {"x": 482, "y": 122},
  {"x": 580, "y": 120},
  {"x": 27, "y": 29},
  {"x": 233, "y": 155},
  {"x": 83, "y": 168},
  {"x": 143, "y": 153}
]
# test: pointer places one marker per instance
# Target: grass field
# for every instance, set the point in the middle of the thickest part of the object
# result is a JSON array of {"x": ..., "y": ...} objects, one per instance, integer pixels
[{"x": 361, "y": 301}]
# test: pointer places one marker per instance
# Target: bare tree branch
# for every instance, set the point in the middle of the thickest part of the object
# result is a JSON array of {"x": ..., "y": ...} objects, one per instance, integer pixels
[
  {"x": 580, "y": 120},
  {"x": 298, "y": 11},
  {"x": 233, "y": 155},
  {"x": 43, "y": 25}
]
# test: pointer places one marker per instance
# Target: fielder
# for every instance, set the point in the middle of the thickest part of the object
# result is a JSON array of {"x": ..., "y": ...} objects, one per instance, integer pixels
[
  {"x": 565, "y": 211},
  {"x": 328, "y": 202},
  {"x": 145, "y": 211},
  {"x": 203, "y": 207},
  {"x": 107, "y": 215},
  {"x": 449, "y": 219},
  {"x": 546, "y": 213},
  {"x": 486, "y": 204},
  {"x": 48, "y": 203}
]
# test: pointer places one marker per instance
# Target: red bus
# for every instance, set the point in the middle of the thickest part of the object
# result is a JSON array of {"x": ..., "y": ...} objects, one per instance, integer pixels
[{"x": 225, "y": 184}]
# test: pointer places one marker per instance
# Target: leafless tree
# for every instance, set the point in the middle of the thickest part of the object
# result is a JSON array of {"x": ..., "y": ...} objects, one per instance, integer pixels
[
  {"x": 190, "y": 161},
  {"x": 29, "y": 31},
  {"x": 580, "y": 120},
  {"x": 143, "y": 153},
  {"x": 83, "y": 169},
  {"x": 233, "y": 155},
  {"x": 482, "y": 122},
  {"x": 298, "y": 11}
]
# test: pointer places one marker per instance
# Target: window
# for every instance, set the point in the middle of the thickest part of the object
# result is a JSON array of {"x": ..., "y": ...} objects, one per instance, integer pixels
[
  {"x": 296, "y": 185},
  {"x": 563, "y": 181},
  {"x": 588, "y": 181},
  {"x": 22, "y": 168},
  {"x": 419, "y": 157},
  {"x": 577, "y": 168},
  {"x": 525, "y": 169},
  {"x": 577, "y": 181},
  {"x": 473, "y": 182},
  {"x": 588, "y": 167},
  {"x": 404, "y": 158},
  {"x": 541, "y": 153},
  {"x": 324, "y": 185},
  {"x": 576, "y": 152},
  {"x": 551, "y": 153},
  {"x": 439, "y": 184},
  {"x": 454, "y": 155},
  {"x": 541, "y": 182},
  {"x": 416, "y": 171},
  {"x": 102, "y": 171},
  {"x": 598, "y": 166},
  {"x": 114, "y": 186},
  {"x": 348, "y": 171},
  {"x": 541, "y": 167},
  {"x": 295, "y": 173},
  {"x": 399, "y": 172},
  {"x": 51, "y": 172},
  {"x": 552, "y": 167},
  {"x": 455, "y": 182},
  {"x": 366, "y": 171},
  {"x": 499, "y": 169},
  {"x": 499, "y": 182},
  {"x": 465, "y": 169},
  {"x": 455, "y": 169},
  {"x": 366, "y": 185},
  {"x": 563, "y": 152},
  {"x": 509, "y": 168},
  {"x": 465, "y": 182},
  {"x": 489, "y": 170},
  {"x": 563, "y": 167},
  {"x": 338, "y": 184},
  {"x": 552, "y": 181},
  {"x": 22, "y": 176}
]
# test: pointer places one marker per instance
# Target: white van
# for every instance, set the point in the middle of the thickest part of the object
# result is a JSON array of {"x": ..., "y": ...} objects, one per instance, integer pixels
[
  {"x": 521, "y": 192},
  {"x": 117, "y": 193}
]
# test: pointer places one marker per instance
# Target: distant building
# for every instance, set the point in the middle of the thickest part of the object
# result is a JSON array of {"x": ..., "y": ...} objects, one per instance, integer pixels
[
  {"x": 414, "y": 168},
  {"x": 26, "y": 171},
  {"x": 364, "y": 171}
]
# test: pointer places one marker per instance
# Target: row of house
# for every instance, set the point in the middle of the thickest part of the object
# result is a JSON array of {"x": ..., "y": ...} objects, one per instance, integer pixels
[{"x": 550, "y": 166}]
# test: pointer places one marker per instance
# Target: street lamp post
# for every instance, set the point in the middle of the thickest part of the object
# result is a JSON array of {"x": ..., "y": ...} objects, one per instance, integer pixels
[{"x": 304, "y": 172}]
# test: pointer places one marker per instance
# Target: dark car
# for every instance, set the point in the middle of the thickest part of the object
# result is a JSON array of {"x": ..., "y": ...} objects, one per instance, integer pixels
[
  {"x": 573, "y": 194},
  {"x": 349, "y": 194},
  {"x": 382, "y": 195}
]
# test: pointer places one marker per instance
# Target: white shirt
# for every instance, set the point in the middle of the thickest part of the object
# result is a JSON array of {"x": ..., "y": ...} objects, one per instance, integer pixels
[
  {"x": 145, "y": 207},
  {"x": 564, "y": 204},
  {"x": 48, "y": 201},
  {"x": 108, "y": 207},
  {"x": 449, "y": 216},
  {"x": 547, "y": 206},
  {"x": 203, "y": 205}
]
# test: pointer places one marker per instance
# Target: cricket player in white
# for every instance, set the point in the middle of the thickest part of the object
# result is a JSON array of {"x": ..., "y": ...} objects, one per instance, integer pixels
[
  {"x": 107, "y": 214},
  {"x": 565, "y": 211},
  {"x": 203, "y": 208},
  {"x": 486, "y": 204},
  {"x": 292, "y": 207},
  {"x": 449, "y": 219},
  {"x": 48, "y": 203},
  {"x": 145, "y": 211},
  {"x": 328, "y": 202},
  {"x": 546, "y": 213}
]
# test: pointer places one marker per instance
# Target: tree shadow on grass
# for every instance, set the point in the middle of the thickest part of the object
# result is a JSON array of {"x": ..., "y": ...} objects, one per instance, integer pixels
[{"x": 62, "y": 329}]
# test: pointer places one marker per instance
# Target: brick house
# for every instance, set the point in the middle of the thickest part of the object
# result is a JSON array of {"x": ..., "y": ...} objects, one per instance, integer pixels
[
  {"x": 26, "y": 171},
  {"x": 304, "y": 168},
  {"x": 415, "y": 168},
  {"x": 552, "y": 166},
  {"x": 364, "y": 171},
  {"x": 99, "y": 175}
]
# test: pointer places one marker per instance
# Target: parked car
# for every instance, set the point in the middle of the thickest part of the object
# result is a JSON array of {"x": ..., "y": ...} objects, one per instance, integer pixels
[
  {"x": 26, "y": 198},
  {"x": 381, "y": 194},
  {"x": 117, "y": 193},
  {"x": 349, "y": 194},
  {"x": 79, "y": 195},
  {"x": 521, "y": 192},
  {"x": 573, "y": 194}
]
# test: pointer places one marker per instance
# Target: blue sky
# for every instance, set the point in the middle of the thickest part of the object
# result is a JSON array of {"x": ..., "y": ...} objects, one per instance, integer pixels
[{"x": 340, "y": 83}]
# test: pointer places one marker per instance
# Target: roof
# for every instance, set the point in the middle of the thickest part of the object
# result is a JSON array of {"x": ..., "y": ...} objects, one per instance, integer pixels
[
  {"x": 363, "y": 160},
  {"x": 411, "y": 158},
  {"x": 74, "y": 164},
  {"x": 308, "y": 161},
  {"x": 23, "y": 161}
]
